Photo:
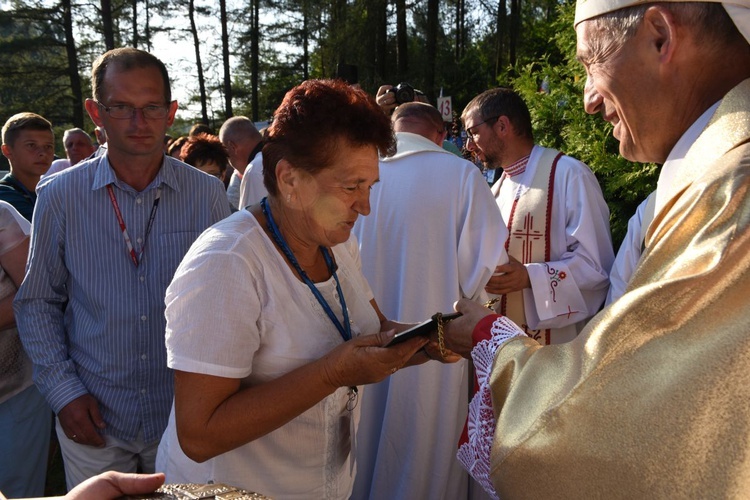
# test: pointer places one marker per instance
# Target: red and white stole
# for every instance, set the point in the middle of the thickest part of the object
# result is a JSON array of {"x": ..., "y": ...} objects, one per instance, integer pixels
[{"x": 529, "y": 234}]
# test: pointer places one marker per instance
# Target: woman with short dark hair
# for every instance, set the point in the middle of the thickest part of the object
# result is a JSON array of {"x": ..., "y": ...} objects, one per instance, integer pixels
[{"x": 271, "y": 326}]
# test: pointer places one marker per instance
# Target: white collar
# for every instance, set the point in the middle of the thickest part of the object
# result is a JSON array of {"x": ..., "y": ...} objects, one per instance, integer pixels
[
  {"x": 408, "y": 143},
  {"x": 672, "y": 177}
]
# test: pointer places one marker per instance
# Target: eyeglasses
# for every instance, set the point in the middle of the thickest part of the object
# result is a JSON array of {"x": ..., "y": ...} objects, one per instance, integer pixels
[
  {"x": 126, "y": 112},
  {"x": 469, "y": 131}
]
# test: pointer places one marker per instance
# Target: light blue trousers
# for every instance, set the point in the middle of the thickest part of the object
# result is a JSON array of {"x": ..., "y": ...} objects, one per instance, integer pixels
[{"x": 25, "y": 427}]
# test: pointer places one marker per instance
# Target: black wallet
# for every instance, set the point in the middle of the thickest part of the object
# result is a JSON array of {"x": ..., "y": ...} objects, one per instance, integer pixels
[{"x": 424, "y": 328}]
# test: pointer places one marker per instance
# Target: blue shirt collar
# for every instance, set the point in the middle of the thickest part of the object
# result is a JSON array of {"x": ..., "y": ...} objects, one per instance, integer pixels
[{"x": 106, "y": 175}]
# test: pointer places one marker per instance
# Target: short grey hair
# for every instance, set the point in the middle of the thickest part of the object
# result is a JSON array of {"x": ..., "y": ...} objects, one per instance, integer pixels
[
  {"x": 710, "y": 19},
  {"x": 76, "y": 130},
  {"x": 238, "y": 128}
]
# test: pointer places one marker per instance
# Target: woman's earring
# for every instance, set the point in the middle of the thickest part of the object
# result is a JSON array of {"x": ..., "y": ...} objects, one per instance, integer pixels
[{"x": 288, "y": 197}]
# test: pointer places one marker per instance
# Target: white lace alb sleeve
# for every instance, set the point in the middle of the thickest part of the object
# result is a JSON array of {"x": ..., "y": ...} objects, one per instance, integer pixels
[{"x": 474, "y": 455}]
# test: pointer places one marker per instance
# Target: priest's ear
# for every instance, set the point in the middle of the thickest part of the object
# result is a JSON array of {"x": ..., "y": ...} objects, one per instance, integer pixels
[
  {"x": 503, "y": 126},
  {"x": 661, "y": 28}
]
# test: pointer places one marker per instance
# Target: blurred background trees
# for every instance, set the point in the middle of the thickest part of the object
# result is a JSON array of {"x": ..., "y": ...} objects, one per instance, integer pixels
[{"x": 235, "y": 57}]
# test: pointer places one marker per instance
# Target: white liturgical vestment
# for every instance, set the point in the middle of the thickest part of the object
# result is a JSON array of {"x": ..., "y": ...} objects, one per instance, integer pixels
[
  {"x": 572, "y": 286},
  {"x": 630, "y": 249},
  {"x": 252, "y": 189},
  {"x": 434, "y": 236}
]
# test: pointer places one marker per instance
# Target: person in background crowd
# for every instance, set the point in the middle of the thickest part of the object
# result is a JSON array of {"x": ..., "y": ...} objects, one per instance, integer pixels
[
  {"x": 559, "y": 241},
  {"x": 108, "y": 236},
  {"x": 29, "y": 146},
  {"x": 207, "y": 154},
  {"x": 252, "y": 187},
  {"x": 168, "y": 139},
  {"x": 397, "y": 453},
  {"x": 101, "y": 136},
  {"x": 200, "y": 128},
  {"x": 243, "y": 143},
  {"x": 101, "y": 139},
  {"x": 175, "y": 147},
  {"x": 78, "y": 147},
  {"x": 268, "y": 401},
  {"x": 387, "y": 100},
  {"x": 25, "y": 417},
  {"x": 652, "y": 400},
  {"x": 450, "y": 146}
]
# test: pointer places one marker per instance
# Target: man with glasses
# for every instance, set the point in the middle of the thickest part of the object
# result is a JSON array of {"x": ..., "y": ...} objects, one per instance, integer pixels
[
  {"x": 559, "y": 240},
  {"x": 108, "y": 236}
]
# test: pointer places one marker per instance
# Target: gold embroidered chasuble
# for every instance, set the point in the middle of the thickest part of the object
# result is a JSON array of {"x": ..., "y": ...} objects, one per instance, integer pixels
[{"x": 652, "y": 399}]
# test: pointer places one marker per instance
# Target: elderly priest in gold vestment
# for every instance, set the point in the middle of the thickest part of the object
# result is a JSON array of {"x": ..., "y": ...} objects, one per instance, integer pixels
[{"x": 652, "y": 399}]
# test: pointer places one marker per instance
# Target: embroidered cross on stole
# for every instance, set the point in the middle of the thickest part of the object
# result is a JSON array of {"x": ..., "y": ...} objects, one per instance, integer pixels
[{"x": 529, "y": 235}]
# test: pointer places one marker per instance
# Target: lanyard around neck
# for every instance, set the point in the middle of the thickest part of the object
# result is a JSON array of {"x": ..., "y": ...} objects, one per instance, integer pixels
[
  {"x": 345, "y": 330},
  {"x": 136, "y": 258}
]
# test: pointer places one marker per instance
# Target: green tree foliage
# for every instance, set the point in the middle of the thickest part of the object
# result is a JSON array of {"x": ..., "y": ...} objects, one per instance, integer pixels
[
  {"x": 34, "y": 69},
  {"x": 33, "y": 65},
  {"x": 470, "y": 48}
]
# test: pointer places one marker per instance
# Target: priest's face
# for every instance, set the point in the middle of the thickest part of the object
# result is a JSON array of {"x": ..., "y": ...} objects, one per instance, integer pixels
[
  {"x": 621, "y": 85},
  {"x": 482, "y": 140}
]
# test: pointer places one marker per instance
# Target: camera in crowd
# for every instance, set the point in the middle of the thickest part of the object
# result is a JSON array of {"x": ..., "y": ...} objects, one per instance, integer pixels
[{"x": 404, "y": 92}]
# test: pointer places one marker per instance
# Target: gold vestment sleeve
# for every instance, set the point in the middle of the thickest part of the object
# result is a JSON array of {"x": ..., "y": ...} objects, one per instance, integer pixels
[{"x": 652, "y": 400}]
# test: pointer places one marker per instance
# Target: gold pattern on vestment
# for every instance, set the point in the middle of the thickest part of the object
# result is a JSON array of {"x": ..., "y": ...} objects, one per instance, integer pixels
[{"x": 652, "y": 399}]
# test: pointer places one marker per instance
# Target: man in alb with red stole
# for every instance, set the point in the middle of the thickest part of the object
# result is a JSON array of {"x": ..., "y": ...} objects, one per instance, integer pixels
[
  {"x": 652, "y": 399},
  {"x": 558, "y": 222}
]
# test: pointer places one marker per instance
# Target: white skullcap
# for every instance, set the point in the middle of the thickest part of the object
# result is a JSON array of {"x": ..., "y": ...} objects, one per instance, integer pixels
[{"x": 738, "y": 10}]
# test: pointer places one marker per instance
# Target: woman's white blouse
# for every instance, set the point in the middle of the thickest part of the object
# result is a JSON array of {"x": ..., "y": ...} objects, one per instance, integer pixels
[{"x": 236, "y": 310}]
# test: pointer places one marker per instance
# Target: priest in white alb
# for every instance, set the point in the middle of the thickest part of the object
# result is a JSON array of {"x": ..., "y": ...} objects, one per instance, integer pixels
[
  {"x": 559, "y": 240},
  {"x": 252, "y": 188},
  {"x": 631, "y": 248},
  {"x": 434, "y": 236}
]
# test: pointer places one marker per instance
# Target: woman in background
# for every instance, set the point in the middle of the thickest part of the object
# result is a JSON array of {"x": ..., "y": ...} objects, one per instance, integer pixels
[{"x": 207, "y": 154}]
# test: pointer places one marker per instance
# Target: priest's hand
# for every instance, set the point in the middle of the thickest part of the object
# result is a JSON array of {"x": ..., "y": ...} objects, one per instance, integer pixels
[
  {"x": 428, "y": 352},
  {"x": 432, "y": 351},
  {"x": 510, "y": 277},
  {"x": 457, "y": 334}
]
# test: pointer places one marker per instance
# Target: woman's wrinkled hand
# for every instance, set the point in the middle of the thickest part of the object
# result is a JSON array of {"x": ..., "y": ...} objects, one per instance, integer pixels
[{"x": 363, "y": 360}]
